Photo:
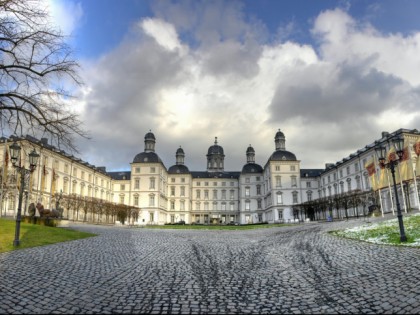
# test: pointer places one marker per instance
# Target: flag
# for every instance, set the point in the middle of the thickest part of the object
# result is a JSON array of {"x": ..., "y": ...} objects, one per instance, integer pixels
[
  {"x": 6, "y": 165},
  {"x": 383, "y": 181},
  {"x": 416, "y": 148},
  {"x": 54, "y": 182},
  {"x": 406, "y": 166},
  {"x": 44, "y": 174},
  {"x": 391, "y": 157},
  {"x": 371, "y": 169}
]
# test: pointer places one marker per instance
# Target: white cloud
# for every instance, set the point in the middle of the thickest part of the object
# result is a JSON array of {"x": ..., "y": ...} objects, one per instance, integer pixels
[
  {"x": 229, "y": 84},
  {"x": 66, "y": 15}
]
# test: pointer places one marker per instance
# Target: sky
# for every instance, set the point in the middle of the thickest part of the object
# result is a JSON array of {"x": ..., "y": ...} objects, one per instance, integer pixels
[{"x": 331, "y": 75}]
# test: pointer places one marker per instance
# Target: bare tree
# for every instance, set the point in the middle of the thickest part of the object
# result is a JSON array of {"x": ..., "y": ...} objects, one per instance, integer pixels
[{"x": 35, "y": 61}]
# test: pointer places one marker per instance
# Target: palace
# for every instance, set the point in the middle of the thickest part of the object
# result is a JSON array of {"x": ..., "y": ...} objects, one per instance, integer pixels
[{"x": 279, "y": 191}]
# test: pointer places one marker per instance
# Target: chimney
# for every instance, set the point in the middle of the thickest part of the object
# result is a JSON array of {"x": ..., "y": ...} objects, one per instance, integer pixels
[
  {"x": 385, "y": 134},
  {"x": 44, "y": 141}
]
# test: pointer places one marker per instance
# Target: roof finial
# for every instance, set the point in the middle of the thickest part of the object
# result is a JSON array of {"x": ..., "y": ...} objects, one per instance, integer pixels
[{"x": 215, "y": 140}]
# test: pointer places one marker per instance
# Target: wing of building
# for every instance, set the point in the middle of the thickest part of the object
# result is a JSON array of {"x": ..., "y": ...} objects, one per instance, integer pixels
[{"x": 151, "y": 193}]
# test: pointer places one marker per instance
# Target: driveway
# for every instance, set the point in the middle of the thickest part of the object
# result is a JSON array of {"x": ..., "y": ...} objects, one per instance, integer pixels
[{"x": 298, "y": 269}]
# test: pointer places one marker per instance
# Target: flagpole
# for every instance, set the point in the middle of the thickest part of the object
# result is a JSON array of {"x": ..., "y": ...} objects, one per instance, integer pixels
[
  {"x": 380, "y": 202},
  {"x": 2, "y": 177},
  {"x": 390, "y": 193},
  {"x": 402, "y": 188}
]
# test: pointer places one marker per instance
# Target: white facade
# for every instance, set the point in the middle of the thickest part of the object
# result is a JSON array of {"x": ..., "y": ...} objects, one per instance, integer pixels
[{"x": 272, "y": 193}]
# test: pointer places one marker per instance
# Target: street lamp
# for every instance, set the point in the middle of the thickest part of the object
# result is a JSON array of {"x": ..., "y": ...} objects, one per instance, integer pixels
[
  {"x": 33, "y": 160},
  {"x": 381, "y": 153}
]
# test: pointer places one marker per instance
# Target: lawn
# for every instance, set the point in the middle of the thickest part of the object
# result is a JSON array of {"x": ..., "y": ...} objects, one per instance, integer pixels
[
  {"x": 32, "y": 235},
  {"x": 217, "y": 227},
  {"x": 386, "y": 232}
]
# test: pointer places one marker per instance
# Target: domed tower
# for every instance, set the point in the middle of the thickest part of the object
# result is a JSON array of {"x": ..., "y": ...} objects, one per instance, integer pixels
[
  {"x": 149, "y": 142},
  {"x": 251, "y": 166},
  {"x": 250, "y": 155},
  {"x": 179, "y": 168},
  {"x": 280, "y": 141},
  {"x": 215, "y": 158},
  {"x": 281, "y": 153},
  {"x": 149, "y": 155},
  {"x": 180, "y": 155}
]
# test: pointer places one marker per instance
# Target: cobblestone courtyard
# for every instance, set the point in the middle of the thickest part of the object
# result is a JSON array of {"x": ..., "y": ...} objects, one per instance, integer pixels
[{"x": 298, "y": 269}]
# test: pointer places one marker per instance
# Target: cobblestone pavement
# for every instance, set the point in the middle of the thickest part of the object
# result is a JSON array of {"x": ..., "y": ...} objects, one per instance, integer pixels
[{"x": 299, "y": 269}]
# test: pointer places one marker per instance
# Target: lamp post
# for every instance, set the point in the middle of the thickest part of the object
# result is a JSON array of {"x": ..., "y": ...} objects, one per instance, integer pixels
[
  {"x": 381, "y": 153},
  {"x": 33, "y": 160}
]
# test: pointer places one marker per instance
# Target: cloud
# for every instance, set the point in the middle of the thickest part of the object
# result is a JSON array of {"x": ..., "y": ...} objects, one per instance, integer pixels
[
  {"x": 196, "y": 71},
  {"x": 67, "y": 15}
]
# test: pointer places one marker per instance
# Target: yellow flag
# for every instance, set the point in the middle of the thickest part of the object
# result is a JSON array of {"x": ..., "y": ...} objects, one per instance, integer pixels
[
  {"x": 371, "y": 169},
  {"x": 392, "y": 156},
  {"x": 416, "y": 148},
  {"x": 406, "y": 166},
  {"x": 54, "y": 182},
  {"x": 383, "y": 181}
]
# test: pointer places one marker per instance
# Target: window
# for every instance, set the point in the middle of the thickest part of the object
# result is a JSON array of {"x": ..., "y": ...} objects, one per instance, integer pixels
[
  {"x": 348, "y": 184},
  {"x": 247, "y": 191},
  {"x": 335, "y": 176},
  {"x": 341, "y": 173},
  {"x": 309, "y": 195},
  {"x": 197, "y": 206},
  {"x": 206, "y": 194},
  {"x": 292, "y": 168},
  {"x": 152, "y": 183},
  {"x": 206, "y": 206},
  {"x": 308, "y": 184},
  {"x": 151, "y": 200},
  {"x": 224, "y": 184},
  {"x": 294, "y": 181},
  {"x": 247, "y": 205},
  {"x": 151, "y": 216},
  {"x": 214, "y": 183},
  {"x": 172, "y": 190},
  {"x": 198, "y": 183},
  {"x": 137, "y": 183},
  {"x": 182, "y": 180},
  {"x": 232, "y": 206},
  {"x": 348, "y": 170},
  {"x": 152, "y": 170},
  {"x": 137, "y": 170},
  {"x": 198, "y": 194},
  {"x": 172, "y": 218},
  {"x": 182, "y": 205},
  {"x": 90, "y": 178},
  {"x": 206, "y": 183},
  {"x": 214, "y": 206},
  {"x": 182, "y": 190},
  {"x": 329, "y": 179},
  {"x": 56, "y": 164},
  {"x": 83, "y": 175},
  {"x": 279, "y": 198},
  {"x": 277, "y": 168},
  {"x": 232, "y": 194},
  {"x": 65, "y": 186},
  {"x": 280, "y": 213},
  {"x": 121, "y": 199},
  {"x": 356, "y": 167},
  {"x": 172, "y": 205},
  {"x": 66, "y": 168},
  {"x": 232, "y": 184},
  {"x": 223, "y": 194},
  {"x": 136, "y": 200},
  {"x": 172, "y": 180},
  {"x": 214, "y": 194},
  {"x": 358, "y": 184},
  {"x": 258, "y": 189},
  {"x": 257, "y": 178},
  {"x": 259, "y": 204},
  {"x": 223, "y": 206},
  {"x": 75, "y": 172},
  {"x": 122, "y": 187},
  {"x": 278, "y": 181},
  {"x": 295, "y": 197},
  {"x": 247, "y": 180}
]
